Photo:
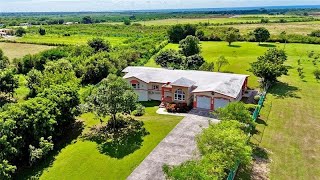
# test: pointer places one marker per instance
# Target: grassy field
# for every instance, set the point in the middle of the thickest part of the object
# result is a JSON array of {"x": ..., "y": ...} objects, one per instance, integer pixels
[
  {"x": 240, "y": 54},
  {"x": 16, "y": 50},
  {"x": 76, "y": 39},
  {"x": 303, "y": 28},
  {"x": 289, "y": 126},
  {"x": 82, "y": 160}
]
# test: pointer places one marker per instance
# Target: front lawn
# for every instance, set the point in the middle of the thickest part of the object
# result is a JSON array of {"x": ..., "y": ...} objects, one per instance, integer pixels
[{"x": 82, "y": 160}]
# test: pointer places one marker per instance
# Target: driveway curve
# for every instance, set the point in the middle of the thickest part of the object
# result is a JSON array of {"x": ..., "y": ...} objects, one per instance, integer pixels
[{"x": 177, "y": 147}]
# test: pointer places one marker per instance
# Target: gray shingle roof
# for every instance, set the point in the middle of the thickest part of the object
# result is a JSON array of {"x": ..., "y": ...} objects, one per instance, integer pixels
[{"x": 223, "y": 83}]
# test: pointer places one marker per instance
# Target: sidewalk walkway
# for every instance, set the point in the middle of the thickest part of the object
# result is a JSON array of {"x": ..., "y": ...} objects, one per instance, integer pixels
[{"x": 179, "y": 146}]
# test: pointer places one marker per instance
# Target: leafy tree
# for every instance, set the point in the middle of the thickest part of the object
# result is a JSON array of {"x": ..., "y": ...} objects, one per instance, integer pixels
[
  {"x": 261, "y": 34},
  {"x": 114, "y": 95},
  {"x": 127, "y": 22},
  {"x": 169, "y": 58},
  {"x": 87, "y": 20},
  {"x": 34, "y": 78},
  {"x": 200, "y": 34},
  {"x": 99, "y": 44},
  {"x": 207, "y": 66},
  {"x": 45, "y": 146},
  {"x": 284, "y": 37},
  {"x": 234, "y": 111},
  {"x": 4, "y": 60},
  {"x": 178, "y": 32},
  {"x": 232, "y": 35},
  {"x": 42, "y": 31},
  {"x": 97, "y": 67},
  {"x": 6, "y": 169},
  {"x": 264, "y": 20},
  {"x": 316, "y": 74},
  {"x": 222, "y": 61},
  {"x": 20, "y": 32},
  {"x": 190, "y": 46},
  {"x": 194, "y": 62},
  {"x": 270, "y": 66},
  {"x": 8, "y": 82}
]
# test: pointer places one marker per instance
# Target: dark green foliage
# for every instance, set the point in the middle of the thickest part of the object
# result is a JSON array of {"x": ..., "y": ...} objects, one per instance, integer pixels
[
  {"x": 87, "y": 20},
  {"x": 189, "y": 46},
  {"x": 127, "y": 22},
  {"x": 114, "y": 95},
  {"x": 20, "y": 32},
  {"x": 264, "y": 20},
  {"x": 99, "y": 44},
  {"x": 194, "y": 62},
  {"x": 221, "y": 146},
  {"x": 234, "y": 111},
  {"x": 4, "y": 60},
  {"x": 178, "y": 32},
  {"x": 300, "y": 71},
  {"x": 42, "y": 31},
  {"x": 8, "y": 82},
  {"x": 200, "y": 34},
  {"x": 232, "y": 35},
  {"x": 315, "y": 33},
  {"x": 316, "y": 74},
  {"x": 207, "y": 66},
  {"x": 36, "y": 154},
  {"x": 170, "y": 58},
  {"x": 261, "y": 34},
  {"x": 270, "y": 66},
  {"x": 140, "y": 110}
]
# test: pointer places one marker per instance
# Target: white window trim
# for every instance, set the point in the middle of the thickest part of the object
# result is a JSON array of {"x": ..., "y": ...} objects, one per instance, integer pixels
[
  {"x": 135, "y": 85},
  {"x": 178, "y": 93}
]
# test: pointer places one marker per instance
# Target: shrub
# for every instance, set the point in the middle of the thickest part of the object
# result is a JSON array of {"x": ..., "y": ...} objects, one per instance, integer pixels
[
  {"x": 316, "y": 74},
  {"x": 315, "y": 33},
  {"x": 178, "y": 108},
  {"x": 140, "y": 110},
  {"x": 251, "y": 107},
  {"x": 257, "y": 97}
]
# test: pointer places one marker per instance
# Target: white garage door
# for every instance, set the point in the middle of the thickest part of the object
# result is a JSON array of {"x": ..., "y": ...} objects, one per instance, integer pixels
[
  {"x": 220, "y": 103},
  {"x": 203, "y": 102},
  {"x": 143, "y": 95}
]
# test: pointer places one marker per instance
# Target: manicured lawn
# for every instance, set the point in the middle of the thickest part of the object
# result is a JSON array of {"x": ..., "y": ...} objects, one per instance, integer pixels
[
  {"x": 240, "y": 54},
  {"x": 82, "y": 160},
  {"x": 16, "y": 50}
]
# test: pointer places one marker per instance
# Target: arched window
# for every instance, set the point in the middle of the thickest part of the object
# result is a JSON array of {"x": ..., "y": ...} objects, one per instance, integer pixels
[{"x": 179, "y": 95}]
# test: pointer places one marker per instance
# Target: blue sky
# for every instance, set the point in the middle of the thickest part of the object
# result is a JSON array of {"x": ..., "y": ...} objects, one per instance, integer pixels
[{"x": 108, "y": 5}]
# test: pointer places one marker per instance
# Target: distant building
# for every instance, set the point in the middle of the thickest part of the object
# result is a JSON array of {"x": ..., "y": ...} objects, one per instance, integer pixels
[
  {"x": 1, "y": 25},
  {"x": 25, "y": 24},
  {"x": 6, "y": 32}
]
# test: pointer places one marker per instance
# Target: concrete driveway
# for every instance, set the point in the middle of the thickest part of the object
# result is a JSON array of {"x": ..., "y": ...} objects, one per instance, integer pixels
[{"x": 179, "y": 146}]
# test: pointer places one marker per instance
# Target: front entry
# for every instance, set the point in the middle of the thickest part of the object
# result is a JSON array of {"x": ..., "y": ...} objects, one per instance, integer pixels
[{"x": 203, "y": 102}]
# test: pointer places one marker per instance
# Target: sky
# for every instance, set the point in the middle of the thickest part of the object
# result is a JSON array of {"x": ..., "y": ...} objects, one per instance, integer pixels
[{"x": 113, "y": 5}]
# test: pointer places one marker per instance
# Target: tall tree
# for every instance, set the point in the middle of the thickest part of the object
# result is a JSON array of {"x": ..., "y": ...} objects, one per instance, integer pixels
[
  {"x": 170, "y": 58},
  {"x": 99, "y": 44},
  {"x": 270, "y": 66},
  {"x": 114, "y": 95},
  {"x": 20, "y": 32},
  {"x": 8, "y": 82},
  {"x": 190, "y": 46},
  {"x": 4, "y": 60},
  {"x": 232, "y": 35},
  {"x": 261, "y": 34},
  {"x": 194, "y": 62},
  {"x": 222, "y": 61},
  {"x": 42, "y": 31},
  {"x": 87, "y": 20}
]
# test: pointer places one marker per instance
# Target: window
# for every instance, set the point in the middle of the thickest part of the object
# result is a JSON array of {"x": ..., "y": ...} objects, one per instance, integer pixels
[
  {"x": 179, "y": 95},
  {"x": 135, "y": 85},
  {"x": 155, "y": 87}
]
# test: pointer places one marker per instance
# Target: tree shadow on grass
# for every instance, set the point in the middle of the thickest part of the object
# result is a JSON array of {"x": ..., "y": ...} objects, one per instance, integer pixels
[
  {"x": 268, "y": 45},
  {"x": 284, "y": 90},
  {"x": 118, "y": 142},
  {"x": 234, "y": 46},
  {"x": 34, "y": 172}
]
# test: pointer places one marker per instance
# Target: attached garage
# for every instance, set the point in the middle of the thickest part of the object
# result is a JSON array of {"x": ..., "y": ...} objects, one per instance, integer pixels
[
  {"x": 203, "y": 102},
  {"x": 220, "y": 103}
]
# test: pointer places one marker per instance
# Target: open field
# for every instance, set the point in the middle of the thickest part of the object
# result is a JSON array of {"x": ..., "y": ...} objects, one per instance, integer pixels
[
  {"x": 303, "y": 28},
  {"x": 240, "y": 54},
  {"x": 17, "y": 50},
  {"x": 82, "y": 160},
  {"x": 69, "y": 40}
]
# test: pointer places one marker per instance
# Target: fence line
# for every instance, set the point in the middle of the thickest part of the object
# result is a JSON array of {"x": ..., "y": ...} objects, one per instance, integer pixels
[{"x": 255, "y": 116}]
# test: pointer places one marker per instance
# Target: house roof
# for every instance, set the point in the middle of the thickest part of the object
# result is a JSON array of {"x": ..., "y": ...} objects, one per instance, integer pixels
[
  {"x": 222, "y": 83},
  {"x": 184, "y": 82}
]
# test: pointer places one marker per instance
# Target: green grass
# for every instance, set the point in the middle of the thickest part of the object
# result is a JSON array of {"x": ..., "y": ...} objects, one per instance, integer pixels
[
  {"x": 241, "y": 54},
  {"x": 16, "y": 50},
  {"x": 73, "y": 39},
  {"x": 82, "y": 160}
]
